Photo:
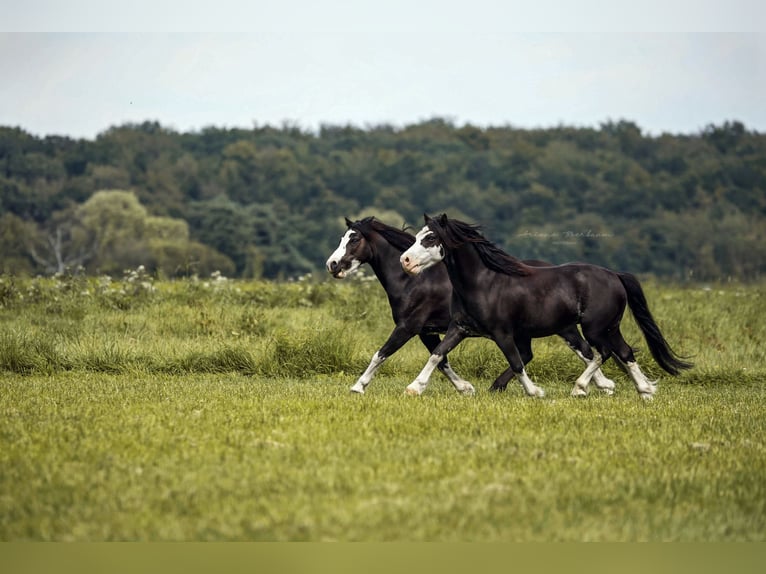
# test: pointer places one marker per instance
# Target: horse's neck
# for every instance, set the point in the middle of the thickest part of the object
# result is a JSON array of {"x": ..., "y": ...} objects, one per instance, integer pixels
[
  {"x": 386, "y": 265},
  {"x": 465, "y": 267}
]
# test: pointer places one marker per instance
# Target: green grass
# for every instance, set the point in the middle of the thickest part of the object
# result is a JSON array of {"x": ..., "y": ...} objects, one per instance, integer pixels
[{"x": 223, "y": 413}]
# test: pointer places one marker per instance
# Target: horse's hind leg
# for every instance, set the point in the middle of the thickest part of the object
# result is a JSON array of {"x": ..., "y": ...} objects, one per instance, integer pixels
[
  {"x": 431, "y": 340},
  {"x": 501, "y": 382},
  {"x": 625, "y": 358},
  {"x": 592, "y": 364},
  {"x": 603, "y": 382},
  {"x": 609, "y": 341}
]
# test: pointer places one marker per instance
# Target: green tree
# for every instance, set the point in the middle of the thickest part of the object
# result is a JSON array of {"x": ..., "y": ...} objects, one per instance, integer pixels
[
  {"x": 268, "y": 199},
  {"x": 62, "y": 242},
  {"x": 16, "y": 235},
  {"x": 225, "y": 226},
  {"x": 117, "y": 220}
]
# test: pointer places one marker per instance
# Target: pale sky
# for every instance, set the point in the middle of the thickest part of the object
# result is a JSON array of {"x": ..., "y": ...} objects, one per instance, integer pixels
[{"x": 77, "y": 68}]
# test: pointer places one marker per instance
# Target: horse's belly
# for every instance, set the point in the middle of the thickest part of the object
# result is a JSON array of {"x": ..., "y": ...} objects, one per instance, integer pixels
[{"x": 544, "y": 325}]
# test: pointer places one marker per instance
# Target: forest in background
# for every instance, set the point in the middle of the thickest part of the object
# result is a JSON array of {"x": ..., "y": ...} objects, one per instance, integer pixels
[{"x": 270, "y": 201}]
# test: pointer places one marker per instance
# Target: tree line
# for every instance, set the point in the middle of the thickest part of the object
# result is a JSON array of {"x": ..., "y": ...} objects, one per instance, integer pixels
[{"x": 270, "y": 201}]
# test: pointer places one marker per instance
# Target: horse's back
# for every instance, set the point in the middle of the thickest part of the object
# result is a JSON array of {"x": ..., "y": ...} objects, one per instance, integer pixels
[{"x": 598, "y": 290}]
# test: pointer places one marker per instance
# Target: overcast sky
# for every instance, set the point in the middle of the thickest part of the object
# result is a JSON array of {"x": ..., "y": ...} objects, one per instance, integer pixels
[{"x": 76, "y": 68}]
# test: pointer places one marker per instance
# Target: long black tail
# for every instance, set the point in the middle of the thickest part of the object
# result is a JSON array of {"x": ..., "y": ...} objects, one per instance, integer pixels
[{"x": 661, "y": 351}]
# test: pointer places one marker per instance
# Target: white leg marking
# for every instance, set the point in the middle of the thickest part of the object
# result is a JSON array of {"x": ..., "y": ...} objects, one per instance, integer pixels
[
  {"x": 420, "y": 383},
  {"x": 603, "y": 382},
  {"x": 599, "y": 378},
  {"x": 591, "y": 366},
  {"x": 366, "y": 377},
  {"x": 531, "y": 389},
  {"x": 644, "y": 386},
  {"x": 457, "y": 381}
]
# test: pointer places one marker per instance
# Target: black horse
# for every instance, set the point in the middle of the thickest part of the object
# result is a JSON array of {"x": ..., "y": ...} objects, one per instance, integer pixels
[
  {"x": 500, "y": 297},
  {"x": 420, "y": 305}
]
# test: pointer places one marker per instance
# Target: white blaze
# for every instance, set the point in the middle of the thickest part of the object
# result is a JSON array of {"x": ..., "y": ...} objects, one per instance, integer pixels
[
  {"x": 419, "y": 257},
  {"x": 338, "y": 254}
]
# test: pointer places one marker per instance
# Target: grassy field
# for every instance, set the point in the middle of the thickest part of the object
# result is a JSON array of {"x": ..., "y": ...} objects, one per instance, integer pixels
[{"x": 133, "y": 409}]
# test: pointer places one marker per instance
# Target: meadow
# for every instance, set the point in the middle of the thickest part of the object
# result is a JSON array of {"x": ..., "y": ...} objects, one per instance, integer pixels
[{"x": 204, "y": 409}]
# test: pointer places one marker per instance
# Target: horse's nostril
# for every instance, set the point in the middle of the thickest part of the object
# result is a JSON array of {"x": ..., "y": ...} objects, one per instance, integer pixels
[
  {"x": 406, "y": 259},
  {"x": 333, "y": 265}
]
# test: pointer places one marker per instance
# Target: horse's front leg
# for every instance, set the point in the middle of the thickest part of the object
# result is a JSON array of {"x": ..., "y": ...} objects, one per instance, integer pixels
[
  {"x": 431, "y": 341},
  {"x": 454, "y": 335},
  {"x": 398, "y": 337}
]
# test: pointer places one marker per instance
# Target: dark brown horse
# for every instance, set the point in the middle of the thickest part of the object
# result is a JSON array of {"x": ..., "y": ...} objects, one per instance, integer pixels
[
  {"x": 420, "y": 305},
  {"x": 500, "y": 297}
]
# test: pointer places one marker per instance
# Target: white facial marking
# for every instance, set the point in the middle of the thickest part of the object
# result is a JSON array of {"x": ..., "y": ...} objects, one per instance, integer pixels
[
  {"x": 338, "y": 254},
  {"x": 419, "y": 257}
]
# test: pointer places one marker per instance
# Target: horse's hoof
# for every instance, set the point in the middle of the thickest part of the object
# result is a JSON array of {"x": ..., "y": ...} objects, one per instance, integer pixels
[
  {"x": 647, "y": 396},
  {"x": 578, "y": 392},
  {"x": 357, "y": 390},
  {"x": 538, "y": 392},
  {"x": 411, "y": 392},
  {"x": 494, "y": 389},
  {"x": 606, "y": 385},
  {"x": 468, "y": 391}
]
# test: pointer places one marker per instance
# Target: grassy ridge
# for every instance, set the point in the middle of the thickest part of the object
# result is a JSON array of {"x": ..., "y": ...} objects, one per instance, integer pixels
[{"x": 219, "y": 411}]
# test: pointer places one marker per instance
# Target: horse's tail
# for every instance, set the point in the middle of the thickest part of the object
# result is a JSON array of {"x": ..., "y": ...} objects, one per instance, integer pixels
[{"x": 658, "y": 346}]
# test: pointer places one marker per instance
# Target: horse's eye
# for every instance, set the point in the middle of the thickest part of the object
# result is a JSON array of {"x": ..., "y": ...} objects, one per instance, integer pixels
[
  {"x": 354, "y": 238},
  {"x": 429, "y": 240}
]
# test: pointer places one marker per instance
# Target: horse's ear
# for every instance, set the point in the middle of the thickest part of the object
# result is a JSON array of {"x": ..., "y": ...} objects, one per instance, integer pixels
[
  {"x": 443, "y": 219},
  {"x": 349, "y": 223},
  {"x": 426, "y": 219}
]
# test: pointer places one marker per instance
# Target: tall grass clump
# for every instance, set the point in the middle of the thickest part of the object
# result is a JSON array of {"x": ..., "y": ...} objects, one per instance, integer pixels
[
  {"x": 225, "y": 359},
  {"x": 108, "y": 358},
  {"x": 26, "y": 354},
  {"x": 317, "y": 350},
  {"x": 16, "y": 353},
  {"x": 9, "y": 292}
]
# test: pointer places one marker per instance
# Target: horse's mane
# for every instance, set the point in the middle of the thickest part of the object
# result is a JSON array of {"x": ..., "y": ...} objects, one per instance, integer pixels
[
  {"x": 454, "y": 233},
  {"x": 399, "y": 238}
]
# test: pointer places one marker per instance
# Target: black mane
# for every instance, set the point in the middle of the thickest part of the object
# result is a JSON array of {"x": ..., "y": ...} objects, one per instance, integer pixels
[
  {"x": 454, "y": 233},
  {"x": 399, "y": 238}
]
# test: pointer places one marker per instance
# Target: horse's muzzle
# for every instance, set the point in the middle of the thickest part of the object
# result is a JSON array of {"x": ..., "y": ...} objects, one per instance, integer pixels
[{"x": 409, "y": 265}]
